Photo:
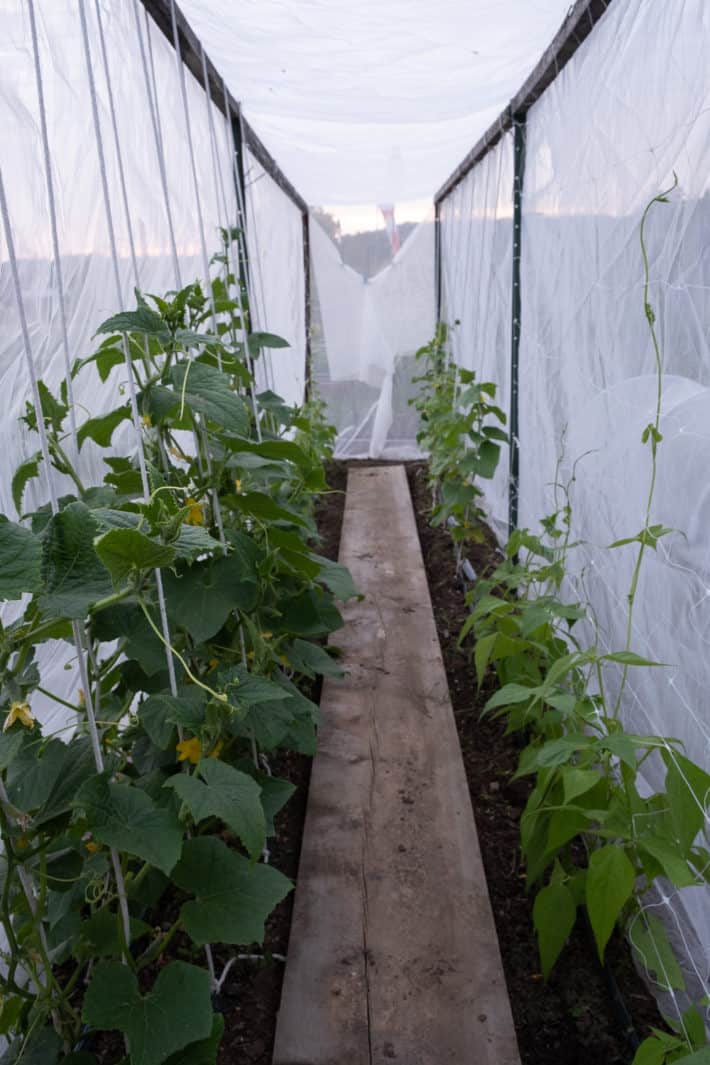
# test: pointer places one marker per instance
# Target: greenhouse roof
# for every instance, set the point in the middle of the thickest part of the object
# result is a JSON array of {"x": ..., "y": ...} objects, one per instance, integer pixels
[{"x": 374, "y": 102}]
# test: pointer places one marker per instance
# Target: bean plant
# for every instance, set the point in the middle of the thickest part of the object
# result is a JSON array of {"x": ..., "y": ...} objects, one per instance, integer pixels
[
  {"x": 189, "y": 590},
  {"x": 593, "y": 839},
  {"x": 458, "y": 419}
]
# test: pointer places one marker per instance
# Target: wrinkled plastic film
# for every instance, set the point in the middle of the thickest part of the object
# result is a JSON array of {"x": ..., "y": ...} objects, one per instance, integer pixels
[
  {"x": 274, "y": 232},
  {"x": 366, "y": 332},
  {"x": 587, "y": 368},
  {"x": 476, "y": 225}
]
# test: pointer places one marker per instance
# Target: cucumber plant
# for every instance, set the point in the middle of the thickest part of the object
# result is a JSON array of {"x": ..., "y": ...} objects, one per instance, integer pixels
[
  {"x": 461, "y": 432},
  {"x": 190, "y": 587}
]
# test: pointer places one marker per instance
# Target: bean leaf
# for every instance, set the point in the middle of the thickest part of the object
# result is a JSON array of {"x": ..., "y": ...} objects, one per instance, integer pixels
[
  {"x": 554, "y": 915},
  {"x": 610, "y": 882}
]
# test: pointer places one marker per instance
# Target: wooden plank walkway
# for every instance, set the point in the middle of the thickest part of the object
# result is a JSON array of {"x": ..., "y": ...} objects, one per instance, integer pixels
[{"x": 393, "y": 958}]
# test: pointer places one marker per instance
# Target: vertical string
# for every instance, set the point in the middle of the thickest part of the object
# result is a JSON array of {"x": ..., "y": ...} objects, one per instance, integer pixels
[
  {"x": 193, "y": 166},
  {"x": 241, "y": 193},
  {"x": 220, "y": 194},
  {"x": 155, "y": 122},
  {"x": 52, "y": 217},
  {"x": 203, "y": 243},
  {"x": 117, "y": 144},
  {"x": 54, "y": 503},
  {"x": 126, "y": 349},
  {"x": 241, "y": 246}
]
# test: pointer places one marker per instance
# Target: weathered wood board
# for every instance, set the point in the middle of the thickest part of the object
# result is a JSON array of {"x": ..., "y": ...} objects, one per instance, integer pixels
[{"x": 393, "y": 958}]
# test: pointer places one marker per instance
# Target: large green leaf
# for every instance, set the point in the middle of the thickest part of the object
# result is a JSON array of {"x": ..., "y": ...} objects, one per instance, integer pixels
[
  {"x": 142, "y": 320},
  {"x": 202, "y": 596},
  {"x": 275, "y": 450},
  {"x": 175, "y": 1013},
  {"x": 72, "y": 572},
  {"x": 202, "y": 1053},
  {"x": 337, "y": 578},
  {"x": 208, "y": 391},
  {"x": 309, "y": 614},
  {"x": 125, "y": 817},
  {"x": 20, "y": 560},
  {"x": 265, "y": 340},
  {"x": 127, "y": 621},
  {"x": 42, "y": 1047},
  {"x": 673, "y": 864},
  {"x": 311, "y": 659},
  {"x": 554, "y": 915},
  {"x": 160, "y": 713},
  {"x": 654, "y": 953},
  {"x": 275, "y": 793},
  {"x": 127, "y": 551},
  {"x": 101, "y": 932},
  {"x": 488, "y": 456},
  {"x": 101, "y": 429},
  {"x": 10, "y": 745},
  {"x": 234, "y": 897},
  {"x": 264, "y": 508},
  {"x": 226, "y": 793},
  {"x": 45, "y": 777},
  {"x": 610, "y": 884},
  {"x": 27, "y": 471},
  {"x": 688, "y": 792},
  {"x": 192, "y": 540}
]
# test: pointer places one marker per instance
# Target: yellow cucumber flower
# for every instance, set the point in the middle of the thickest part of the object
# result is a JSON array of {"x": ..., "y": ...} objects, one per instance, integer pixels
[
  {"x": 189, "y": 750},
  {"x": 194, "y": 515},
  {"x": 19, "y": 712}
]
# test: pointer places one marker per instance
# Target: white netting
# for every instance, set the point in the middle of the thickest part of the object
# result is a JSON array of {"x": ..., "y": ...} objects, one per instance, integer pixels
[{"x": 366, "y": 333}]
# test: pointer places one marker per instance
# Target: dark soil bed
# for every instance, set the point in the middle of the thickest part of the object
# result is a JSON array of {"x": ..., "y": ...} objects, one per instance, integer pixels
[{"x": 572, "y": 1020}]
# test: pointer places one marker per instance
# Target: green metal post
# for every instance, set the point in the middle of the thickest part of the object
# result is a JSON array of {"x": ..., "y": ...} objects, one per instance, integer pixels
[{"x": 518, "y": 179}]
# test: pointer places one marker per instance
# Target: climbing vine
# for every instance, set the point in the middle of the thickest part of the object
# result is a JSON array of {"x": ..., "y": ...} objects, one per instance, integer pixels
[
  {"x": 187, "y": 591},
  {"x": 592, "y": 837}
]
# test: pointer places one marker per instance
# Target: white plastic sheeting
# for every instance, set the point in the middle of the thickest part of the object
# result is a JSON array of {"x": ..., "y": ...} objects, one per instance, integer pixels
[
  {"x": 374, "y": 101},
  {"x": 274, "y": 226},
  {"x": 366, "y": 333},
  {"x": 89, "y": 286},
  {"x": 476, "y": 230}
]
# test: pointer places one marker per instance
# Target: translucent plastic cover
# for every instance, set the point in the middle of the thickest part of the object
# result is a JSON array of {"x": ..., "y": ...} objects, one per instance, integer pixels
[
  {"x": 277, "y": 270},
  {"x": 90, "y": 288},
  {"x": 588, "y": 368},
  {"x": 377, "y": 101},
  {"x": 476, "y": 223},
  {"x": 366, "y": 332}
]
